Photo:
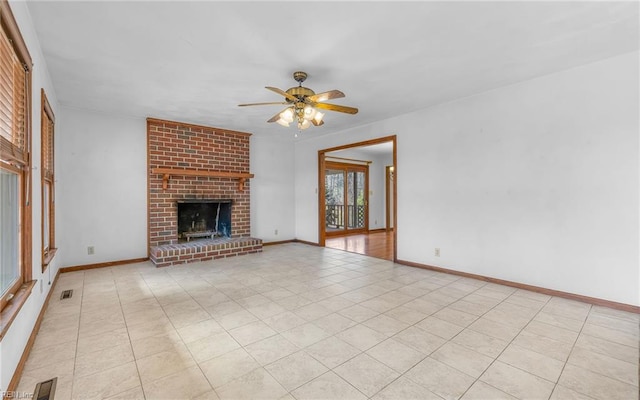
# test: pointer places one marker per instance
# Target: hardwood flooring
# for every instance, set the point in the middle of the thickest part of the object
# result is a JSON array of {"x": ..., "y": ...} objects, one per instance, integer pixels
[{"x": 378, "y": 244}]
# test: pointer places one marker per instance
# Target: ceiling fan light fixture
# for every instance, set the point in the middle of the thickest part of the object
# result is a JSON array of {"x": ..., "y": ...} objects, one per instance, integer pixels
[
  {"x": 318, "y": 117},
  {"x": 304, "y": 124},
  {"x": 309, "y": 113},
  {"x": 303, "y": 104},
  {"x": 283, "y": 122},
  {"x": 287, "y": 115}
]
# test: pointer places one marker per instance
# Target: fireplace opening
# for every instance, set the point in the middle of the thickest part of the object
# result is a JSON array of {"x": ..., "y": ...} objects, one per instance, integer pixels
[{"x": 203, "y": 219}]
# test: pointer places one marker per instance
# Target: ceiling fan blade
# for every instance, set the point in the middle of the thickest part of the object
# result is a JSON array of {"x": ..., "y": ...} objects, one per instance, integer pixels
[
  {"x": 275, "y": 117},
  {"x": 282, "y": 92},
  {"x": 262, "y": 104},
  {"x": 324, "y": 96},
  {"x": 335, "y": 107}
]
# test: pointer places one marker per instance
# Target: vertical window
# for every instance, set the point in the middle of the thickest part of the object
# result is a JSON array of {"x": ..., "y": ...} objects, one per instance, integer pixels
[
  {"x": 9, "y": 227},
  {"x": 15, "y": 160},
  {"x": 48, "y": 181}
]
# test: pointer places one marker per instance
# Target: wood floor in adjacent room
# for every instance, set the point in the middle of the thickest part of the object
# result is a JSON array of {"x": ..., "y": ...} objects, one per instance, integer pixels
[
  {"x": 378, "y": 244},
  {"x": 307, "y": 322}
]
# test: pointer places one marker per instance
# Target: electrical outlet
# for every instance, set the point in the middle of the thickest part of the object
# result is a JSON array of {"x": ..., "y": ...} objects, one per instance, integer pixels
[
  {"x": 276, "y": 232},
  {"x": 437, "y": 252},
  {"x": 91, "y": 250},
  {"x": 375, "y": 222}
]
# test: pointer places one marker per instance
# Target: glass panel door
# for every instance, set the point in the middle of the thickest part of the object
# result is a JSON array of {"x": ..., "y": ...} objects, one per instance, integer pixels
[
  {"x": 345, "y": 198},
  {"x": 334, "y": 199},
  {"x": 356, "y": 203}
]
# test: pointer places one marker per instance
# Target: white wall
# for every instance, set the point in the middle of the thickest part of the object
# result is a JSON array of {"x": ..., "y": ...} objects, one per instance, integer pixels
[
  {"x": 104, "y": 169},
  {"x": 535, "y": 183},
  {"x": 13, "y": 343},
  {"x": 102, "y": 187},
  {"x": 272, "y": 205}
]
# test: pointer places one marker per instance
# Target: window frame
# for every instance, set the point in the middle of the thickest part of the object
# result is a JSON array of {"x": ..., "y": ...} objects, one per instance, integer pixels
[
  {"x": 47, "y": 177},
  {"x": 12, "y": 300},
  {"x": 16, "y": 285}
]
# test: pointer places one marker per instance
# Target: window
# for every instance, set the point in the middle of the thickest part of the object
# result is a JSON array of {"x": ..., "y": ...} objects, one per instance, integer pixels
[
  {"x": 15, "y": 160},
  {"x": 9, "y": 227},
  {"x": 48, "y": 193}
]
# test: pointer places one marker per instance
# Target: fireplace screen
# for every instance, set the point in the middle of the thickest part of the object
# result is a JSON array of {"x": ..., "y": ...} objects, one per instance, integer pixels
[{"x": 203, "y": 219}]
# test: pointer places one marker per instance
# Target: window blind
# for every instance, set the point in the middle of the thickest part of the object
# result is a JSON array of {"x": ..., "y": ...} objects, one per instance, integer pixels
[
  {"x": 47, "y": 146},
  {"x": 13, "y": 104}
]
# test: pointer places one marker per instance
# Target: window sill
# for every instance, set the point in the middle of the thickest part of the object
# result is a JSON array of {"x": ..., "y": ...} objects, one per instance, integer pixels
[
  {"x": 47, "y": 258},
  {"x": 12, "y": 309}
]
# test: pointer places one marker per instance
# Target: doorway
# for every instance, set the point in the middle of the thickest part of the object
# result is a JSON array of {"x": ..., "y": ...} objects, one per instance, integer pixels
[
  {"x": 357, "y": 197},
  {"x": 346, "y": 205}
]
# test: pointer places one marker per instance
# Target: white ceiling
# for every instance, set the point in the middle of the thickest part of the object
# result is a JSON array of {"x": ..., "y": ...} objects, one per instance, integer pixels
[{"x": 195, "y": 61}]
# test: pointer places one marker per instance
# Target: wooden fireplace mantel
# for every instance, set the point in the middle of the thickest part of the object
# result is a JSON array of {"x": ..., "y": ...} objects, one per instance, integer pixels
[{"x": 167, "y": 172}]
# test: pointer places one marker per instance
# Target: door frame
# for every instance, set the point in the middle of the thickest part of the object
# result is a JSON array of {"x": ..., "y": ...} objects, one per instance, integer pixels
[
  {"x": 346, "y": 166},
  {"x": 321, "y": 194},
  {"x": 389, "y": 171}
]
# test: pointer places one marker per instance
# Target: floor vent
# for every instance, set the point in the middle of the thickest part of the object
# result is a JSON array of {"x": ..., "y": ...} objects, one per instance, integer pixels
[
  {"x": 66, "y": 294},
  {"x": 45, "y": 390}
]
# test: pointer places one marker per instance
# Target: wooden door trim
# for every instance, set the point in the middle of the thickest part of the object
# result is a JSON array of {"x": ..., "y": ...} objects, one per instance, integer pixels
[
  {"x": 321, "y": 196},
  {"x": 395, "y": 200},
  {"x": 387, "y": 196}
]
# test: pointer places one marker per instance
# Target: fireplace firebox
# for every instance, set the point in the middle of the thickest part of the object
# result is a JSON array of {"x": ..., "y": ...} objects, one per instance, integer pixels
[{"x": 203, "y": 219}]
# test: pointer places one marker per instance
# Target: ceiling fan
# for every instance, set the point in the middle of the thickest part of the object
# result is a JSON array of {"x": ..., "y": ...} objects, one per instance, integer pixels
[{"x": 303, "y": 104}]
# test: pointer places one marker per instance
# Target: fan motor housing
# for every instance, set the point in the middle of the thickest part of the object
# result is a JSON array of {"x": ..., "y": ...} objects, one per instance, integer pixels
[{"x": 300, "y": 92}]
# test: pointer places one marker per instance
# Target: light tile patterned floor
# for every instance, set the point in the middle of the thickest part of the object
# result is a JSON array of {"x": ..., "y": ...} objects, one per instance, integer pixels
[{"x": 303, "y": 322}]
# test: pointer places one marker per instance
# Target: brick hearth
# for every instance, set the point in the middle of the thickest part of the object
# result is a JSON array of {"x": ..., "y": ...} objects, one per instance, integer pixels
[
  {"x": 182, "y": 146},
  {"x": 203, "y": 250}
]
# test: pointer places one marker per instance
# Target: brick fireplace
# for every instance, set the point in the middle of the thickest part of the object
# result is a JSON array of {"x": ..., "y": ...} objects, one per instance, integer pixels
[{"x": 201, "y": 171}]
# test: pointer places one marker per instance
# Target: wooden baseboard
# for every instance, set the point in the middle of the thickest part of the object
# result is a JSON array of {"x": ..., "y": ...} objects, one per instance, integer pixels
[
  {"x": 279, "y": 242},
  {"x": 377, "y": 230},
  {"x": 289, "y": 241},
  {"x": 305, "y": 242},
  {"x": 15, "y": 379},
  {"x": 103, "y": 265},
  {"x": 551, "y": 292}
]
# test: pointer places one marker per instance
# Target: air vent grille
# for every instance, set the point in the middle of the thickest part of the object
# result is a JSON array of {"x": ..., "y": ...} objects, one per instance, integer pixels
[
  {"x": 45, "y": 390},
  {"x": 66, "y": 294}
]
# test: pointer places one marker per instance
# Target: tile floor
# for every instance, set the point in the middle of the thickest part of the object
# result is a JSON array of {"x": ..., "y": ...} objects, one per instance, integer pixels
[{"x": 302, "y": 322}]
